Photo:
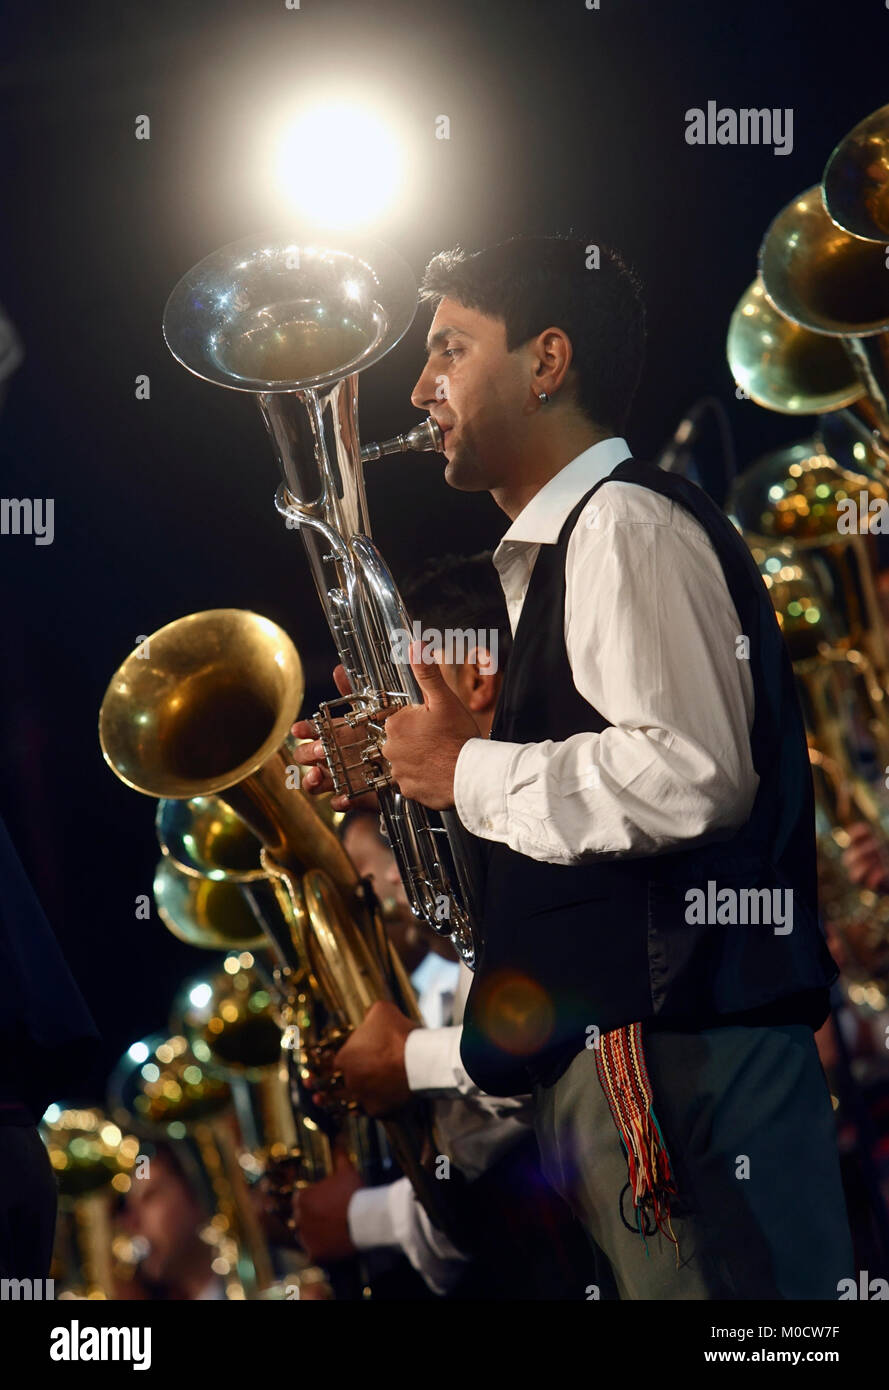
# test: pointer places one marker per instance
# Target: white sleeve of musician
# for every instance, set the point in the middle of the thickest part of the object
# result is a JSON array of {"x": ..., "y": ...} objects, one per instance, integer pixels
[
  {"x": 652, "y": 639},
  {"x": 391, "y": 1216},
  {"x": 433, "y": 1066},
  {"x": 434, "y": 1069}
]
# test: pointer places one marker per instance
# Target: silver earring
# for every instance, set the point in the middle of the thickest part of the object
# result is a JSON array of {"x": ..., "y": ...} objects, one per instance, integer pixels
[{"x": 542, "y": 397}]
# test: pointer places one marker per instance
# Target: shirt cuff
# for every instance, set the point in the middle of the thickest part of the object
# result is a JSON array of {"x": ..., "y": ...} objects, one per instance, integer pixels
[
  {"x": 432, "y": 1060},
  {"x": 370, "y": 1219},
  {"x": 480, "y": 780}
]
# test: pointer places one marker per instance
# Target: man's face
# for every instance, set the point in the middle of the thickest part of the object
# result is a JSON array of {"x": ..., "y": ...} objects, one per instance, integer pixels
[
  {"x": 478, "y": 392},
  {"x": 375, "y": 861},
  {"x": 162, "y": 1209}
]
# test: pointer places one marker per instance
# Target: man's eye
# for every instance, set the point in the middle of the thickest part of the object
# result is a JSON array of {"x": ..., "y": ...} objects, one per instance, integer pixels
[{"x": 450, "y": 352}]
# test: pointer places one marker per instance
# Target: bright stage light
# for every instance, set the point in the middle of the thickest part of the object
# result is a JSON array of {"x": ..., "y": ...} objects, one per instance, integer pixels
[{"x": 339, "y": 164}]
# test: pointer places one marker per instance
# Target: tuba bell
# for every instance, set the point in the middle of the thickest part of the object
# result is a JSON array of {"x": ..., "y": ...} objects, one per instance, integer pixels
[
  {"x": 93, "y": 1161},
  {"x": 811, "y": 334},
  {"x": 834, "y": 284}
]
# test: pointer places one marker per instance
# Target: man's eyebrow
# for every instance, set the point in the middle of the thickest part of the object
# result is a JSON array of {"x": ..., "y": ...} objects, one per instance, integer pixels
[{"x": 438, "y": 338}]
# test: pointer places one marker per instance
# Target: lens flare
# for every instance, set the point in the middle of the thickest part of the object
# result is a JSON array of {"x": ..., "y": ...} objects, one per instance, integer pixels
[{"x": 339, "y": 164}]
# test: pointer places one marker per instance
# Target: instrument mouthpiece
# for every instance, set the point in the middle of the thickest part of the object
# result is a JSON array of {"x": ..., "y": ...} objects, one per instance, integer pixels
[{"x": 422, "y": 439}]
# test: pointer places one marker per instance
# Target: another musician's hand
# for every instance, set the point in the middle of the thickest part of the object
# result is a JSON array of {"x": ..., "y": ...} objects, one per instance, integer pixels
[
  {"x": 317, "y": 778},
  {"x": 372, "y": 1061},
  {"x": 423, "y": 742},
  {"x": 866, "y": 860},
  {"x": 320, "y": 1213},
  {"x": 272, "y": 1199}
]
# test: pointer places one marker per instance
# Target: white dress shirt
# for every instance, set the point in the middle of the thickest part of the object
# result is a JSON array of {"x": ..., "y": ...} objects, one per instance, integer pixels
[
  {"x": 652, "y": 635},
  {"x": 476, "y": 1129}
]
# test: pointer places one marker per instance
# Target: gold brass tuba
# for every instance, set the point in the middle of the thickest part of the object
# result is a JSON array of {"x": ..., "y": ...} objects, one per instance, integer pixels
[
  {"x": 93, "y": 1162},
  {"x": 204, "y": 707},
  {"x": 293, "y": 324},
  {"x": 205, "y": 912},
  {"x": 822, "y": 586},
  {"x": 811, "y": 334},
  {"x": 855, "y": 186},
  {"x": 160, "y": 1091},
  {"x": 244, "y": 1018}
]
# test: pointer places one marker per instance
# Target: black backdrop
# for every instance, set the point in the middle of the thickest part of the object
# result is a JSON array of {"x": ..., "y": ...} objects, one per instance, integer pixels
[{"x": 561, "y": 118}]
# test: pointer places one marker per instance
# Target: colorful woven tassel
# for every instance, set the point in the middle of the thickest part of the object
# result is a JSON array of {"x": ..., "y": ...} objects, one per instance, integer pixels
[{"x": 623, "y": 1075}]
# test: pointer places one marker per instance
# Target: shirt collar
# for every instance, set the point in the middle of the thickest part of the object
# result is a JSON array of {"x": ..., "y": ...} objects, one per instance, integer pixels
[{"x": 543, "y": 518}]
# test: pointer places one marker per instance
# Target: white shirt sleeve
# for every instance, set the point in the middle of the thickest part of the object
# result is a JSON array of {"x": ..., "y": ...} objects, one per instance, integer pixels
[
  {"x": 433, "y": 1066},
  {"x": 652, "y": 639},
  {"x": 392, "y": 1216},
  {"x": 475, "y": 1130}
]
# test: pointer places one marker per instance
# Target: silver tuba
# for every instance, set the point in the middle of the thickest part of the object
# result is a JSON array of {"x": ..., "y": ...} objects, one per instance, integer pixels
[{"x": 293, "y": 323}]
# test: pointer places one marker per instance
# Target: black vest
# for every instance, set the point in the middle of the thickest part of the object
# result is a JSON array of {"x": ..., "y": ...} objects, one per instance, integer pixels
[{"x": 571, "y": 949}]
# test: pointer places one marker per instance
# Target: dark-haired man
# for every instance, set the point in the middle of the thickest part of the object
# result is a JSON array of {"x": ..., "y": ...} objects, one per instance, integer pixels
[
  {"x": 645, "y": 782},
  {"x": 525, "y": 1242}
]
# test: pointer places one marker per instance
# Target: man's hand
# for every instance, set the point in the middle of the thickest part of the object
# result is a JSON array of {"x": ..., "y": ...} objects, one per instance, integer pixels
[
  {"x": 317, "y": 779},
  {"x": 866, "y": 860},
  {"x": 320, "y": 1213},
  {"x": 272, "y": 1199},
  {"x": 423, "y": 742},
  {"x": 372, "y": 1061}
]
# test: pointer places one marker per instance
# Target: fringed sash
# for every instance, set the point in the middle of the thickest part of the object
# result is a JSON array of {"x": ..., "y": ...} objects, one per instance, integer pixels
[{"x": 623, "y": 1075}]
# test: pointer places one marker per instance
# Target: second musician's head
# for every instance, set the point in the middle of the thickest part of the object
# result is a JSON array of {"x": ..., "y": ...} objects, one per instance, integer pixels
[
  {"x": 534, "y": 314},
  {"x": 461, "y": 595}
]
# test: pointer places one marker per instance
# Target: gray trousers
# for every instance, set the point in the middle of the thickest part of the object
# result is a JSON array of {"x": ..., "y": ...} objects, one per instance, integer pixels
[{"x": 748, "y": 1124}]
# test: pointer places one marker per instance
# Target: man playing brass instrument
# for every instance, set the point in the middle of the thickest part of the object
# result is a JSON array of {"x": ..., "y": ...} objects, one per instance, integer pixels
[
  {"x": 526, "y": 1244},
  {"x": 652, "y": 962}
]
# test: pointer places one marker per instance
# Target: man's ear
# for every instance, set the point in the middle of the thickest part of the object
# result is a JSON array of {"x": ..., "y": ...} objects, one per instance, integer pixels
[
  {"x": 485, "y": 659},
  {"x": 486, "y": 680}
]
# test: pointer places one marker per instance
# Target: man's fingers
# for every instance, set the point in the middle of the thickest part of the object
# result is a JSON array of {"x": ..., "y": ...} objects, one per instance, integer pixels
[
  {"x": 432, "y": 683},
  {"x": 317, "y": 780},
  {"x": 308, "y": 754},
  {"x": 865, "y": 857},
  {"x": 859, "y": 831},
  {"x": 341, "y": 680}
]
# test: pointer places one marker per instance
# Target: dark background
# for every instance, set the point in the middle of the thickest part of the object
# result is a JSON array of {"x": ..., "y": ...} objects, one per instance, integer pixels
[{"x": 562, "y": 118}]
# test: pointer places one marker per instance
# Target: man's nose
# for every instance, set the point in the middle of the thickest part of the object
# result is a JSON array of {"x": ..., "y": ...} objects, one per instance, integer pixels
[{"x": 423, "y": 393}]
